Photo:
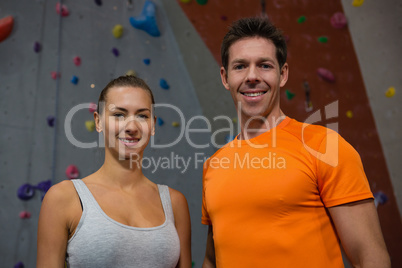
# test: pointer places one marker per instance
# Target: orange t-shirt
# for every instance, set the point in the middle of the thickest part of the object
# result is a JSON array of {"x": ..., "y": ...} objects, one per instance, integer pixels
[{"x": 267, "y": 205}]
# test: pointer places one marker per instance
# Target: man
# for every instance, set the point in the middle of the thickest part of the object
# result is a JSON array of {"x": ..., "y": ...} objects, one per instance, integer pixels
[{"x": 282, "y": 192}]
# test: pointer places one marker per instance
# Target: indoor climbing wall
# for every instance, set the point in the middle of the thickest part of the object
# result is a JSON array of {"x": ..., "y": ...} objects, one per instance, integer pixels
[{"x": 56, "y": 57}]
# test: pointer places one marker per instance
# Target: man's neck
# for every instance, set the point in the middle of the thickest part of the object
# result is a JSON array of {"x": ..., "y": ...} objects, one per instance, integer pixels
[{"x": 254, "y": 128}]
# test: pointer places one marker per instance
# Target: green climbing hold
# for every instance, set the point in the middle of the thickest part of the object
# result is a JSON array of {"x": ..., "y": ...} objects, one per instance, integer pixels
[
  {"x": 323, "y": 39},
  {"x": 192, "y": 264},
  {"x": 202, "y": 2},
  {"x": 289, "y": 94},
  {"x": 301, "y": 19}
]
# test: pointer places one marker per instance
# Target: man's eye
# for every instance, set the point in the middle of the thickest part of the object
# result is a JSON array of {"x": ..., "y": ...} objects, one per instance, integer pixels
[
  {"x": 239, "y": 67},
  {"x": 266, "y": 66}
]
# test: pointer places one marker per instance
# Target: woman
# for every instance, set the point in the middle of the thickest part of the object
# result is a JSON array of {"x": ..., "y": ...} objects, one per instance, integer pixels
[{"x": 116, "y": 217}]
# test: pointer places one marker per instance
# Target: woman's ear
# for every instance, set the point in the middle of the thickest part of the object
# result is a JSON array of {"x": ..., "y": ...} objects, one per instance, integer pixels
[
  {"x": 98, "y": 121},
  {"x": 153, "y": 126}
]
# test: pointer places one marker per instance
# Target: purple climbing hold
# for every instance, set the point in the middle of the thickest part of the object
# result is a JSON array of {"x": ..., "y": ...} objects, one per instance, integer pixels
[
  {"x": 19, "y": 265},
  {"x": 338, "y": 20},
  {"x": 98, "y": 2},
  {"x": 26, "y": 191},
  {"x": 37, "y": 47},
  {"x": 380, "y": 198},
  {"x": 160, "y": 121},
  {"x": 44, "y": 186},
  {"x": 74, "y": 80},
  {"x": 147, "y": 61},
  {"x": 164, "y": 84},
  {"x": 115, "y": 52},
  {"x": 50, "y": 120},
  {"x": 146, "y": 21},
  {"x": 326, "y": 74}
]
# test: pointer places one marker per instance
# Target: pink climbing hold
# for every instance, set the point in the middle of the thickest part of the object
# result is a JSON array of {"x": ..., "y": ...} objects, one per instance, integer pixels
[
  {"x": 25, "y": 215},
  {"x": 93, "y": 107},
  {"x": 338, "y": 20},
  {"x": 72, "y": 172},
  {"x": 55, "y": 75},
  {"x": 62, "y": 9},
  {"x": 77, "y": 61},
  {"x": 326, "y": 74}
]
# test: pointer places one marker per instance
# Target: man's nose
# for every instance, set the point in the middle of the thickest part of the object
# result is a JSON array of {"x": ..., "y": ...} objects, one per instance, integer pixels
[{"x": 253, "y": 75}]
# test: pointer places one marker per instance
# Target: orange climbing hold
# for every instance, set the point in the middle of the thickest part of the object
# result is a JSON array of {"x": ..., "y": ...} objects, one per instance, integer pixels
[{"x": 6, "y": 26}]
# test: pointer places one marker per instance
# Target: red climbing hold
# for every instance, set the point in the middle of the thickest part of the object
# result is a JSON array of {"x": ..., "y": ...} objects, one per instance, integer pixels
[
  {"x": 6, "y": 26},
  {"x": 62, "y": 9},
  {"x": 72, "y": 172}
]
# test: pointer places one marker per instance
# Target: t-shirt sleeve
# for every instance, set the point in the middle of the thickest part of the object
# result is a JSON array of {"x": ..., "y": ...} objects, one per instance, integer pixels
[
  {"x": 205, "y": 216},
  {"x": 340, "y": 173}
]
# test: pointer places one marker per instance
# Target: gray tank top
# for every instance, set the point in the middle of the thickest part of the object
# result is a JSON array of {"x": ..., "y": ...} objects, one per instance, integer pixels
[{"x": 100, "y": 241}]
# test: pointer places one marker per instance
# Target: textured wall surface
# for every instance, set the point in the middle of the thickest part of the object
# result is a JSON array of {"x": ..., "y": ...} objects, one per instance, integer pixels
[{"x": 31, "y": 151}]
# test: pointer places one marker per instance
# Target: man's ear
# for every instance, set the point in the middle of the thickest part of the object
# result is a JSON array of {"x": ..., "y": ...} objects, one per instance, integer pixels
[
  {"x": 224, "y": 77},
  {"x": 98, "y": 122},
  {"x": 284, "y": 74}
]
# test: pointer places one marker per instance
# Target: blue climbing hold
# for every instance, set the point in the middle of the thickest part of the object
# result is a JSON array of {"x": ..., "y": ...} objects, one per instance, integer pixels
[
  {"x": 19, "y": 265},
  {"x": 50, "y": 120},
  {"x": 229, "y": 138},
  {"x": 74, "y": 80},
  {"x": 146, "y": 21},
  {"x": 160, "y": 121},
  {"x": 98, "y": 2},
  {"x": 147, "y": 61},
  {"x": 380, "y": 198},
  {"x": 164, "y": 84}
]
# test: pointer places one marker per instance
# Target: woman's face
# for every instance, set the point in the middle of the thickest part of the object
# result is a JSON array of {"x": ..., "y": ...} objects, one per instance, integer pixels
[{"x": 127, "y": 121}]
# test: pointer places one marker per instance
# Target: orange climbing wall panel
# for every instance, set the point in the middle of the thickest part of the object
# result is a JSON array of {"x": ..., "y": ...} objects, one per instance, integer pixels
[{"x": 305, "y": 56}]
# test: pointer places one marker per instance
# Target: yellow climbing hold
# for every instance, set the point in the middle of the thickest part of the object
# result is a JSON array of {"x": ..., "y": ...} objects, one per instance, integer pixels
[
  {"x": 234, "y": 120},
  {"x": 357, "y": 3},
  {"x": 131, "y": 72},
  {"x": 390, "y": 92},
  {"x": 117, "y": 31},
  {"x": 90, "y": 125},
  {"x": 175, "y": 124},
  {"x": 349, "y": 114},
  {"x": 185, "y": 1}
]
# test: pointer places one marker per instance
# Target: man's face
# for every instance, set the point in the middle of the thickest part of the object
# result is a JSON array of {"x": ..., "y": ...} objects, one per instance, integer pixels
[{"x": 254, "y": 78}]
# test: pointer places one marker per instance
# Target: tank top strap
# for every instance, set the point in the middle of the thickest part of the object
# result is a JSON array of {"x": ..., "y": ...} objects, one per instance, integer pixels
[
  {"x": 166, "y": 202},
  {"x": 84, "y": 194}
]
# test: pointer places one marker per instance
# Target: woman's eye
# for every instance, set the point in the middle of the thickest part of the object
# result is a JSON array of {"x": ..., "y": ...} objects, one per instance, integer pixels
[
  {"x": 118, "y": 115},
  {"x": 143, "y": 116}
]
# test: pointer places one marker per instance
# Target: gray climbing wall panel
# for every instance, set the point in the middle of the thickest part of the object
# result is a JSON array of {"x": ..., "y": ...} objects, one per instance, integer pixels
[{"x": 28, "y": 94}]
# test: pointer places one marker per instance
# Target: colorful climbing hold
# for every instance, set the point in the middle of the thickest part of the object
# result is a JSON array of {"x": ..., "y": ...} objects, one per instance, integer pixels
[
  {"x": 6, "y": 27},
  {"x": 326, "y": 74},
  {"x": 90, "y": 125},
  {"x": 50, "y": 120},
  {"x": 289, "y": 94},
  {"x": 117, "y": 31},
  {"x": 185, "y": 1},
  {"x": 25, "y": 214},
  {"x": 357, "y": 3},
  {"x": 163, "y": 84},
  {"x": 349, "y": 114},
  {"x": 62, "y": 10},
  {"x": 77, "y": 61},
  {"x": 72, "y": 172},
  {"x": 131, "y": 72},
  {"x": 160, "y": 121},
  {"x": 146, "y": 21},
  {"x": 74, "y": 80},
  {"x": 390, "y": 92},
  {"x": 301, "y": 19},
  {"x": 380, "y": 198},
  {"x": 338, "y": 20},
  {"x": 175, "y": 124},
  {"x": 37, "y": 47},
  {"x": 146, "y": 61},
  {"x": 229, "y": 138},
  {"x": 322, "y": 39},
  {"x": 19, "y": 265},
  {"x": 98, "y": 2},
  {"x": 55, "y": 75},
  {"x": 26, "y": 191},
  {"x": 92, "y": 107},
  {"x": 202, "y": 2},
  {"x": 115, "y": 52}
]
